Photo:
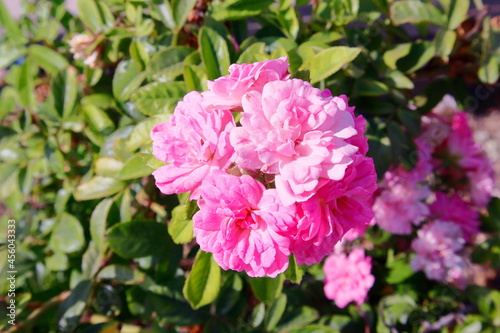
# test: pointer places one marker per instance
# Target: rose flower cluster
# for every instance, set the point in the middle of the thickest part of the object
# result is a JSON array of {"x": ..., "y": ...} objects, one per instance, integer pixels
[
  {"x": 441, "y": 197},
  {"x": 291, "y": 176}
]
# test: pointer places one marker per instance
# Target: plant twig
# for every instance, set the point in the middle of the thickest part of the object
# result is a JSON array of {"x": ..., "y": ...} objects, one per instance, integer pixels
[{"x": 33, "y": 316}]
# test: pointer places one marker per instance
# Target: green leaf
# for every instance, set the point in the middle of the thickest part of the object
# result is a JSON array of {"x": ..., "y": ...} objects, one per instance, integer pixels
[
  {"x": 421, "y": 52},
  {"x": 121, "y": 274},
  {"x": 107, "y": 166},
  {"x": 230, "y": 10},
  {"x": 275, "y": 312},
  {"x": 67, "y": 236},
  {"x": 139, "y": 53},
  {"x": 411, "y": 11},
  {"x": 314, "y": 329},
  {"x": 214, "y": 53},
  {"x": 294, "y": 272},
  {"x": 258, "y": 314},
  {"x": 370, "y": 87},
  {"x": 253, "y": 53},
  {"x": 181, "y": 224},
  {"x": 457, "y": 13},
  {"x": 176, "y": 311},
  {"x": 329, "y": 61},
  {"x": 98, "y": 224},
  {"x": 12, "y": 28},
  {"x": 48, "y": 59},
  {"x": 88, "y": 12},
  {"x": 167, "y": 64},
  {"x": 491, "y": 223},
  {"x": 97, "y": 118},
  {"x": 444, "y": 42},
  {"x": 158, "y": 97},
  {"x": 135, "y": 167},
  {"x": 397, "y": 52},
  {"x": 289, "y": 22},
  {"x": 411, "y": 120},
  {"x": 203, "y": 283},
  {"x": 141, "y": 133},
  {"x": 10, "y": 51},
  {"x": 98, "y": 187},
  {"x": 195, "y": 78},
  {"x": 138, "y": 239},
  {"x": 128, "y": 77},
  {"x": 398, "y": 80},
  {"x": 58, "y": 261},
  {"x": 267, "y": 289},
  {"x": 400, "y": 270},
  {"x": 230, "y": 294},
  {"x": 71, "y": 309},
  {"x": 65, "y": 91},
  {"x": 297, "y": 317},
  {"x": 181, "y": 9}
]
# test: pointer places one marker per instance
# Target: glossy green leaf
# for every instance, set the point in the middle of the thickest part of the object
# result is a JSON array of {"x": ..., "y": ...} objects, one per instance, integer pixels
[
  {"x": 140, "y": 135},
  {"x": 238, "y": 9},
  {"x": 167, "y": 64},
  {"x": 88, "y": 11},
  {"x": 134, "y": 167},
  {"x": 71, "y": 309},
  {"x": 392, "y": 55},
  {"x": 98, "y": 224},
  {"x": 267, "y": 289},
  {"x": 181, "y": 9},
  {"x": 67, "y": 236},
  {"x": 203, "y": 283},
  {"x": 65, "y": 91},
  {"x": 121, "y": 274},
  {"x": 410, "y": 11},
  {"x": 98, "y": 187},
  {"x": 329, "y": 61},
  {"x": 195, "y": 78},
  {"x": 158, "y": 97},
  {"x": 97, "y": 118},
  {"x": 444, "y": 42},
  {"x": 421, "y": 52},
  {"x": 230, "y": 294},
  {"x": 289, "y": 22},
  {"x": 214, "y": 53},
  {"x": 370, "y": 87},
  {"x": 10, "y": 51},
  {"x": 294, "y": 272},
  {"x": 457, "y": 13},
  {"x": 12, "y": 28},
  {"x": 181, "y": 224},
  {"x": 138, "y": 238},
  {"x": 275, "y": 312},
  {"x": 128, "y": 77},
  {"x": 314, "y": 329}
]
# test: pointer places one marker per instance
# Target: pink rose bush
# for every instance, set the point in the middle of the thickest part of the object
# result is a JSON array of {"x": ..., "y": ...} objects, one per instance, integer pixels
[
  {"x": 348, "y": 278},
  {"x": 451, "y": 182},
  {"x": 291, "y": 177}
]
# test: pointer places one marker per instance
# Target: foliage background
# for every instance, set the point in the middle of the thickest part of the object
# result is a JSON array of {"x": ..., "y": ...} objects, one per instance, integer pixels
[{"x": 94, "y": 253}]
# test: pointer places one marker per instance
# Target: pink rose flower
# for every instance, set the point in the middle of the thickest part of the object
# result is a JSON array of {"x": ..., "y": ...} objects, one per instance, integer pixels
[
  {"x": 437, "y": 248},
  {"x": 348, "y": 278},
  {"x": 337, "y": 207},
  {"x": 292, "y": 131},
  {"x": 227, "y": 91},
  {"x": 194, "y": 142},
  {"x": 243, "y": 225},
  {"x": 401, "y": 204},
  {"x": 454, "y": 209}
]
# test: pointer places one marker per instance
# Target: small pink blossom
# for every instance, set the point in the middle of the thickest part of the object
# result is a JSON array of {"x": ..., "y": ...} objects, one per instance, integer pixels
[
  {"x": 454, "y": 209},
  {"x": 242, "y": 224},
  {"x": 194, "y": 142},
  {"x": 401, "y": 204},
  {"x": 227, "y": 91},
  {"x": 348, "y": 278},
  {"x": 437, "y": 247},
  {"x": 292, "y": 131},
  {"x": 337, "y": 207}
]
